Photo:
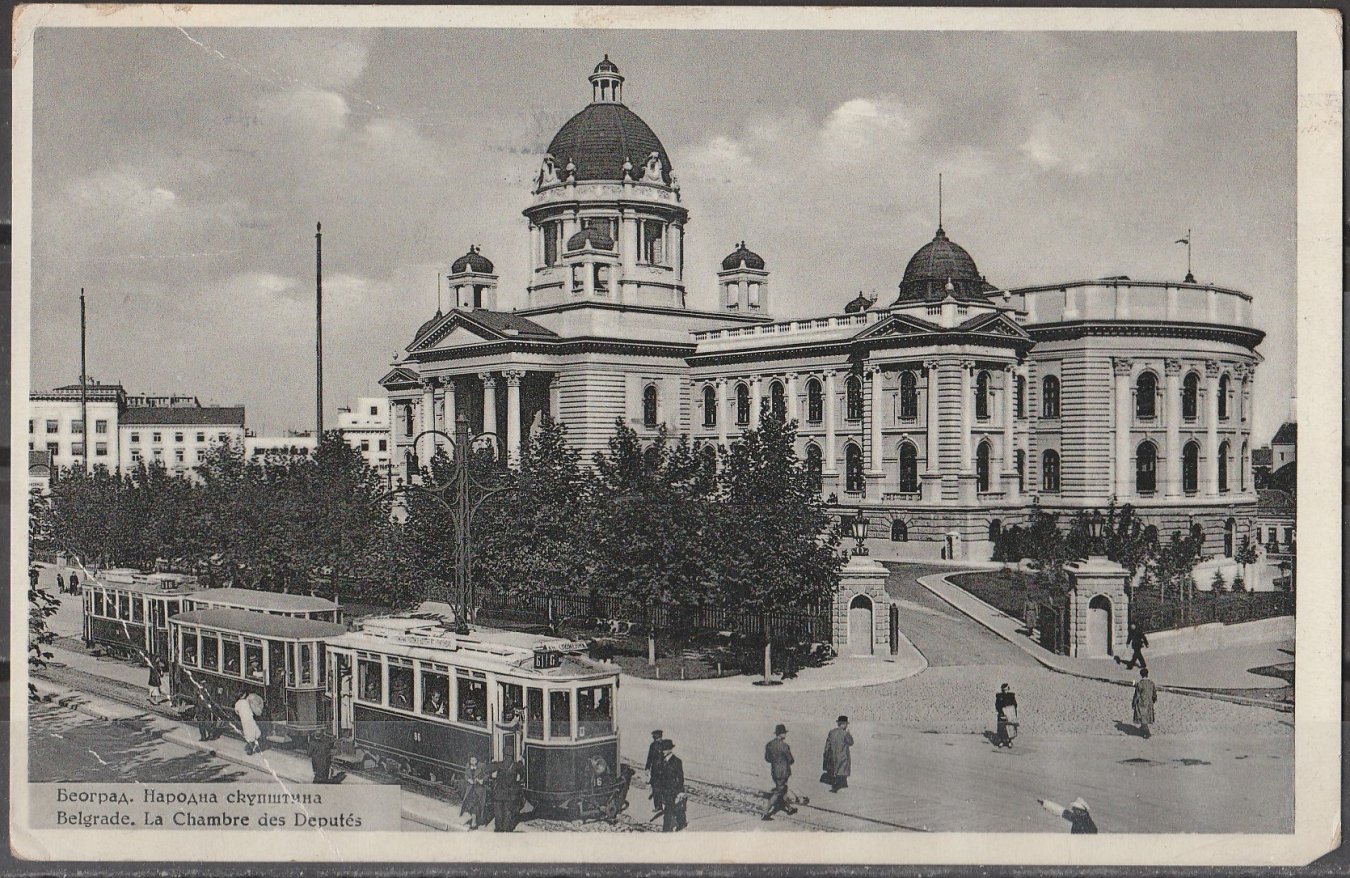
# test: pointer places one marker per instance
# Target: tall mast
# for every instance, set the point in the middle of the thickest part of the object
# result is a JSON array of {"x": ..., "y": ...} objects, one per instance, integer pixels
[
  {"x": 84, "y": 390},
  {"x": 318, "y": 332}
]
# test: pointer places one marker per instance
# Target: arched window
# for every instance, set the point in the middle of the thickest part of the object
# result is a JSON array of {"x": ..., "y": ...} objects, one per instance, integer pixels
[
  {"x": 1190, "y": 396},
  {"x": 1229, "y": 537},
  {"x": 408, "y": 420},
  {"x": 814, "y": 465},
  {"x": 742, "y": 405},
  {"x": 1223, "y": 467},
  {"x": 853, "y": 391},
  {"x": 909, "y": 468},
  {"x": 815, "y": 402},
  {"x": 1050, "y": 397},
  {"x": 777, "y": 400},
  {"x": 1021, "y": 458},
  {"x": 853, "y": 469},
  {"x": 708, "y": 455},
  {"x": 1242, "y": 469},
  {"x": 1146, "y": 396},
  {"x": 982, "y": 396},
  {"x": 909, "y": 396},
  {"x": 1146, "y": 468},
  {"x": 1021, "y": 396},
  {"x": 651, "y": 458},
  {"x": 899, "y": 531},
  {"x": 1050, "y": 472},
  {"x": 982, "y": 467},
  {"x": 1223, "y": 397},
  {"x": 649, "y": 406},
  {"x": 709, "y": 406},
  {"x": 1190, "y": 467},
  {"x": 995, "y": 530}
]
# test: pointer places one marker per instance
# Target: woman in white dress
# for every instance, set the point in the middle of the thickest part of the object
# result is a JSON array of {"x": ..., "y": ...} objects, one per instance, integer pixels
[{"x": 248, "y": 726}]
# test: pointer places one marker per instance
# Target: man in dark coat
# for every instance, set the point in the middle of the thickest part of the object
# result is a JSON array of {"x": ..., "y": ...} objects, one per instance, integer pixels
[
  {"x": 507, "y": 788},
  {"x": 204, "y": 713},
  {"x": 779, "y": 756},
  {"x": 653, "y": 767},
  {"x": 837, "y": 761},
  {"x": 321, "y": 759},
  {"x": 1136, "y": 640},
  {"x": 1145, "y": 696},
  {"x": 672, "y": 789}
]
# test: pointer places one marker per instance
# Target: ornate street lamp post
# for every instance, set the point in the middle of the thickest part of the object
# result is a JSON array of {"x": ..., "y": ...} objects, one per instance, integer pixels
[
  {"x": 858, "y": 527},
  {"x": 1094, "y": 528}
]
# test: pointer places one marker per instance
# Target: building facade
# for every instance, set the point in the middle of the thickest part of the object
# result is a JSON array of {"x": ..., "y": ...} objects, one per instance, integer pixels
[
  {"x": 292, "y": 443},
  {"x": 945, "y": 414},
  {"x": 177, "y": 436},
  {"x": 365, "y": 427},
  {"x": 56, "y": 427}
]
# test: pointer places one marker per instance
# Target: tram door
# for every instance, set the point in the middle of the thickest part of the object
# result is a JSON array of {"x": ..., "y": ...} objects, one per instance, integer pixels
[
  {"x": 506, "y": 730},
  {"x": 340, "y": 680}
]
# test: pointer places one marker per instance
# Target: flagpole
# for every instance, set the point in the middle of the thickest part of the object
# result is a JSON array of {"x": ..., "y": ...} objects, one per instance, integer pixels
[
  {"x": 84, "y": 390},
  {"x": 1189, "y": 275}
]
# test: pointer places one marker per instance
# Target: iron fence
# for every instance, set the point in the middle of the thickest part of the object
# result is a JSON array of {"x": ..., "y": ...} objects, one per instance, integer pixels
[{"x": 1201, "y": 608}]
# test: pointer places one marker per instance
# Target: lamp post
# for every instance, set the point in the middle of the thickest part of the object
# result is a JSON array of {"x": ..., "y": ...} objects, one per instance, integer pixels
[
  {"x": 858, "y": 527},
  {"x": 1094, "y": 529}
]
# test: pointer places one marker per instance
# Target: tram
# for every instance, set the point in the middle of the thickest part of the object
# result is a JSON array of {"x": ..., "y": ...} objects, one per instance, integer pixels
[
  {"x": 227, "y": 652},
  {"x": 127, "y": 612},
  {"x": 423, "y": 699},
  {"x": 276, "y": 603}
]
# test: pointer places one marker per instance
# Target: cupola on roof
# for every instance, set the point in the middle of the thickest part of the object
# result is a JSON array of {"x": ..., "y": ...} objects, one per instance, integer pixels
[
  {"x": 473, "y": 261},
  {"x": 740, "y": 255},
  {"x": 941, "y": 268},
  {"x": 604, "y": 136}
]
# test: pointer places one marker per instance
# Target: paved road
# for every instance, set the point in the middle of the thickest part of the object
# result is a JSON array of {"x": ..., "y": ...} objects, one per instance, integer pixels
[{"x": 946, "y": 636}]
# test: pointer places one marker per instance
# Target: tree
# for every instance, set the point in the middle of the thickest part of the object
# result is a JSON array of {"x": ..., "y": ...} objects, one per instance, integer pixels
[
  {"x": 1246, "y": 554},
  {"x": 42, "y": 605},
  {"x": 1239, "y": 584},
  {"x": 1218, "y": 585}
]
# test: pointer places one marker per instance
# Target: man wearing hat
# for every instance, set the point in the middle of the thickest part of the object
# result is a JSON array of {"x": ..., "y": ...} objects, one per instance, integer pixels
[
  {"x": 1080, "y": 820},
  {"x": 653, "y": 768},
  {"x": 837, "y": 764},
  {"x": 673, "y": 799},
  {"x": 779, "y": 756}
]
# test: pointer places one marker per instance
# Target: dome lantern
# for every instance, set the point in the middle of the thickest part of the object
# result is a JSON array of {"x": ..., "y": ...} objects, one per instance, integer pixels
[
  {"x": 744, "y": 282},
  {"x": 473, "y": 282},
  {"x": 606, "y": 83}
]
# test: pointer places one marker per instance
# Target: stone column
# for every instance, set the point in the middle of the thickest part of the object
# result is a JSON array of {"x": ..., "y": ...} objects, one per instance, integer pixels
[
  {"x": 722, "y": 413},
  {"x": 677, "y": 251},
  {"x": 489, "y": 402},
  {"x": 1212, "y": 428},
  {"x": 831, "y": 462},
  {"x": 513, "y": 416},
  {"x": 1172, "y": 453},
  {"x": 793, "y": 412},
  {"x": 754, "y": 402},
  {"x": 1122, "y": 366},
  {"x": 875, "y": 462},
  {"x": 1009, "y": 418},
  {"x": 448, "y": 413},
  {"x": 628, "y": 241},
  {"x": 588, "y": 279},
  {"x": 555, "y": 396},
  {"x": 967, "y": 403},
  {"x": 426, "y": 446},
  {"x": 932, "y": 418}
]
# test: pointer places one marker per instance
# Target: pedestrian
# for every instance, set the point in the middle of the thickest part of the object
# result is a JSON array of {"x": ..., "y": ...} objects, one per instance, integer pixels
[
  {"x": 837, "y": 763},
  {"x": 321, "y": 759},
  {"x": 248, "y": 725},
  {"x": 155, "y": 695},
  {"x": 674, "y": 798},
  {"x": 475, "y": 792},
  {"x": 74, "y": 584},
  {"x": 1145, "y": 696},
  {"x": 506, "y": 795},
  {"x": 1004, "y": 700},
  {"x": 1136, "y": 640},
  {"x": 1080, "y": 820},
  {"x": 653, "y": 768},
  {"x": 204, "y": 712},
  {"x": 33, "y": 574},
  {"x": 60, "y": 584},
  {"x": 779, "y": 756}
]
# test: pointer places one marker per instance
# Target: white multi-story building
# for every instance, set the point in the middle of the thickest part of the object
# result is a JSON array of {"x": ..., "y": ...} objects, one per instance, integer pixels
[
  {"x": 177, "y": 435},
  {"x": 289, "y": 444},
  {"x": 55, "y": 425},
  {"x": 365, "y": 427}
]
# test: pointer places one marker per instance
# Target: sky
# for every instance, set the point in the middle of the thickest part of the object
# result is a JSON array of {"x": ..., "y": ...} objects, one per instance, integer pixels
[{"x": 179, "y": 174}]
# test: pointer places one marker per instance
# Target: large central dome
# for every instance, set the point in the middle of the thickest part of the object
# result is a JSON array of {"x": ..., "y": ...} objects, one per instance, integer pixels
[
  {"x": 600, "y": 138},
  {"x": 939, "y": 269}
]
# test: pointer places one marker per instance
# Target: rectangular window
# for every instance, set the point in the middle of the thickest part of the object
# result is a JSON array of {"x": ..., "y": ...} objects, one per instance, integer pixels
[
  {"x": 400, "y": 683},
  {"x": 77, "y": 448},
  {"x": 210, "y": 651},
  {"x": 435, "y": 690},
  {"x": 513, "y": 701},
  {"x": 471, "y": 696},
  {"x": 30, "y": 426},
  {"x": 178, "y": 455},
  {"x": 370, "y": 682},
  {"x": 1288, "y": 536},
  {"x": 124, "y": 606},
  {"x": 178, "y": 437},
  {"x": 653, "y": 242},
  {"x": 52, "y": 426},
  {"x": 365, "y": 444},
  {"x": 101, "y": 426},
  {"x": 230, "y": 649},
  {"x": 253, "y": 659},
  {"x": 135, "y": 456},
  {"x": 137, "y": 608},
  {"x": 534, "y": 714},
  {"x": 384, "y": 445},
  {"x": 157, "y": 437},
  {"x": 77, "y": 427},
  {"x": 224, "y": 437},
  {"x": 135, "y": 437},
  {"x": 550, "y": 233},
  {"x": 189, "y": 646},
  {"x": 98, "y": 602},
  {"x": 201, "y": 437},
  {"x": 306, "y": 651},
  {"x": 595, "y": 712},
  {"x": 53, "y": 448},
  {"x": 101, "y": 449},
  {"x": 559, "y": 713}
]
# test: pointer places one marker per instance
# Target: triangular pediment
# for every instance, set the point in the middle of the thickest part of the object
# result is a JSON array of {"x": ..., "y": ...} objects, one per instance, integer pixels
[
  {"x": 399, "y": 375},
  {"x": 453, "y": 330},
  {"x": 997, "y": 323}
]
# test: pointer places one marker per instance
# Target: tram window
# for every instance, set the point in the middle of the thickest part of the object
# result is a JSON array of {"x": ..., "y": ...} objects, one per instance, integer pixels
[
  {"x": 435, "y": 694},
  {"x": 210, "y": 651},
  {"x": 137, "y": 609},
  {"x": 253, "y": 659},
  {"x": 513, "y": 701},
  {"x": 98, "y": 602},
  {"x": 559, "y": 714},
  {"x": 371, "y": 686},
  {"x": 229, "y": 646},
  {"x": 306, "y": 664},
  {"x": 472, "y": 699},
  {"x": 189, "y": 646},
  {"x": 595, "y": 711},
  {"x": 171, "y": 609},
  {"x": 534, "y": 714},
  {"x": 400, "y": 685},
  {"x": 124, "y": 606}
]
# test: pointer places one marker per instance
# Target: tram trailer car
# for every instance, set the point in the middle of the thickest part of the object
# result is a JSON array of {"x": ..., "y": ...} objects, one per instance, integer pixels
[
  {"x": 226, "y": 652},
  {"x": 423, "y": 699},
  {"x": 298, "y": 606},
  {"x": 127, "y": 612}
]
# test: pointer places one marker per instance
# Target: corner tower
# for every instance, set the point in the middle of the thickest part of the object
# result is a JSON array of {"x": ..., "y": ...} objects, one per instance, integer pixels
[{"x": 606, "y": 170}]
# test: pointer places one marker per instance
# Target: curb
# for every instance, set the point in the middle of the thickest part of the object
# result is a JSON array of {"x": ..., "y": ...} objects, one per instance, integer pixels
[
  {"x": 1176, "y": 690},
  {"x": 904, "y": 673}
]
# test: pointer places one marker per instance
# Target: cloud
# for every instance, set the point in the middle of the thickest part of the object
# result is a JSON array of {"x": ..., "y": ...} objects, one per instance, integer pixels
[
  {"x": 1055, "y": 144},
  {"x": 860, "y": 127},
  {"x": 121, "y": 192},
  {"x": 310, "y": 110}
]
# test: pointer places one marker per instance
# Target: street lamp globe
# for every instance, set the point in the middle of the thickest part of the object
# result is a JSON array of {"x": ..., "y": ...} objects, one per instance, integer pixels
[{"x": 858, "y": 526}]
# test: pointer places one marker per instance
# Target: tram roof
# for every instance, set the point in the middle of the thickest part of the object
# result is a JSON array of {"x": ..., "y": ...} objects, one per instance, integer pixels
[
  {"x": 253, "y": 599},
  {"x": 167, "y": 584},
  {"x": 260, "y": 624}
]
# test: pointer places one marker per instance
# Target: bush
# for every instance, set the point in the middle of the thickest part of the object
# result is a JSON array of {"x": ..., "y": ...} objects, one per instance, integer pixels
[
  {"x": 1239, "y": 584},
  {"x": 1218, "y": 585}
]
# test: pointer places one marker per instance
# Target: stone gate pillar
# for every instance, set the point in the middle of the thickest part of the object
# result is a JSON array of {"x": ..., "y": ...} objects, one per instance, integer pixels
[
  {"x": 862, "y": 587},
  {"x": 1097, "y": 587}
]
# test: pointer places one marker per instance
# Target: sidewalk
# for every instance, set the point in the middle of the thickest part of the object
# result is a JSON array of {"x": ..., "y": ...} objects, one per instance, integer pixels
[{"x": 1225, "y": 668}]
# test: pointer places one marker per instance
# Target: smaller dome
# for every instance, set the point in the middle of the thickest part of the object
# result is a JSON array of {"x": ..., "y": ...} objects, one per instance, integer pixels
[
  {"x": 597, "y": 238},
  {"x": 606, "y": 66},
  {"x": 861, "y": 303},
  {"x": 742, "y": 254},
  {"x": 472, "y": 261},
  {"x": 422, "y": 330}
]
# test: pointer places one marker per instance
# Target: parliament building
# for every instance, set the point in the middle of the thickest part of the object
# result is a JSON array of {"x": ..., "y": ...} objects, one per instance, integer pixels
[{"x": 945, "y": 414}]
